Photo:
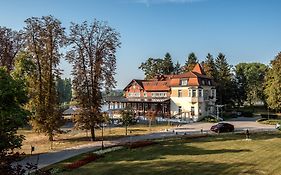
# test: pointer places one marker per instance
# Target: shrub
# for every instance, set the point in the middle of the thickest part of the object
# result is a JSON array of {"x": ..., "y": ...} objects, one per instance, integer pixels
[
  {"x": 210, "y": 119},
  {"x": 247, "y": 114},
  {"x": 270, "y": 116},
  {"x": 270, "y": 122},
  {"x": 139, "y": 144}
]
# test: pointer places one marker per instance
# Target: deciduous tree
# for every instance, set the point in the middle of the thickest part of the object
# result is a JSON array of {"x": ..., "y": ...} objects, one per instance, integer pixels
[
  {"x": 44, "y": 38},
  {"x": 10, "y": 44},
  {"x": 250, "y": 81},
  {"x": 64, "y": 89},
  {"x": 12, "y": 116},
  {"x": 152, "y": 67},
  {"x": 127, "y": 118},
  {"x": 273, "y": 84},
  {"x": 92, "y": 54}
]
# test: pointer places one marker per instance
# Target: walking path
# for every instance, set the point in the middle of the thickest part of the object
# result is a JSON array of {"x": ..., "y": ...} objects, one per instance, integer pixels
[{"x": 47, "y": 159}]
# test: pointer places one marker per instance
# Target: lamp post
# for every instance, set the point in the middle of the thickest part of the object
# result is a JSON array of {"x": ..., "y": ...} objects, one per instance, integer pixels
[{"x": 102, "y": 146}]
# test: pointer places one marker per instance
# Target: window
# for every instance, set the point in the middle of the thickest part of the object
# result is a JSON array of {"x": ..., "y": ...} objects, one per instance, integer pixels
[
  {"x": 179, "y": 93},
  {"x": 209, "y": 82},
  {"x": 189, "y": 92},
  {"x": 179, "y": 110},
  {"x": 183, "y": 82},
  {"x": 203, "y": 82},
  {"x": 192, "y": 111},
  {"x": 134, "y": 94},
  {"x": 159, "y": 94},
  {"x": 213, "y": 93},
  {"x": 193, "y": 92},
  {"x": 145, "y": 94},
  {"x": 200, "y": 93}
]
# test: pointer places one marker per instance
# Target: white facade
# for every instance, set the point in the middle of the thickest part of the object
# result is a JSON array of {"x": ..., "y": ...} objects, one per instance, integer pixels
[{"x": 192, "y": 103}]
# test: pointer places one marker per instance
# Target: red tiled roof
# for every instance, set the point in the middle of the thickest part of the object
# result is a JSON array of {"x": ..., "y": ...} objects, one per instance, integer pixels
[
  {"x": 164, "y": 82},
  {"x": 197, "y": 68},
  {"x": 156, "y": 86}
]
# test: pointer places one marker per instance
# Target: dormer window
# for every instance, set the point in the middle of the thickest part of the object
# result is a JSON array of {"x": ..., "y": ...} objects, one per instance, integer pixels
[{"x": 183, "y": 82}]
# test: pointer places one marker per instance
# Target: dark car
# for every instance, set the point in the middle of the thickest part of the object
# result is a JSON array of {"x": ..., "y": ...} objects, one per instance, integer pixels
[{"x": 222, "y": 127}]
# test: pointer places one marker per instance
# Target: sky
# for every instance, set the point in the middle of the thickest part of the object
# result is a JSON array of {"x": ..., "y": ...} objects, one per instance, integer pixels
[{"x": 244, "y": 30}]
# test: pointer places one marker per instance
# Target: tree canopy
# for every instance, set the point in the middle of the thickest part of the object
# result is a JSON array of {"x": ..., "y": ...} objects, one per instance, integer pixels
[
  {"x": 44, "y": 38},
  {"x": 13, "y": 96},
  {"x": 157, "y": 66},
  {"x": 92, "y": 55},
  {"x": 250, "y": 81},
  {"x": 273, "y": 84},
  {"x": 10, "y": 44}
]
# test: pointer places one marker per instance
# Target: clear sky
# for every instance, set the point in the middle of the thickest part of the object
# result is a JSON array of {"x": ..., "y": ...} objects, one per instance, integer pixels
[{"x": 244, "y": 30}]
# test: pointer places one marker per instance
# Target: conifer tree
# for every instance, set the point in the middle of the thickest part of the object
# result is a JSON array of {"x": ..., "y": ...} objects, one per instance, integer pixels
[
  {"x": 224, "y": 80},
  {"x": 209, "y": 66},
  {"x": 190, "y": 62}
]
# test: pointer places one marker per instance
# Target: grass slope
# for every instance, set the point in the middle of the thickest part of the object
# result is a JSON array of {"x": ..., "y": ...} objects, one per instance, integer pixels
[{"x": 224, "y": 154}]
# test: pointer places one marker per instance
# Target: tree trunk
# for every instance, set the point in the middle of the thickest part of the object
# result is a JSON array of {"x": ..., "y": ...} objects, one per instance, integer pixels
[
  {"x": 126, "y": 127},
  {"x": 51, "y": 136},
  {"x": 93, "y": 134},
  {"x": 149, "y": 124}
]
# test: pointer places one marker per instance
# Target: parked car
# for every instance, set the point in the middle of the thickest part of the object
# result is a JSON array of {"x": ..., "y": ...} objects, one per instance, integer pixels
[{"x": 222, "y": 127}]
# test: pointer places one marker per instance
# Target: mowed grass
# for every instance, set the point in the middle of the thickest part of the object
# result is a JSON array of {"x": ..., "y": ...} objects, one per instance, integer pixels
[
  {"x": 224, "y": 154},
  {"x": 78, "y": 137}
]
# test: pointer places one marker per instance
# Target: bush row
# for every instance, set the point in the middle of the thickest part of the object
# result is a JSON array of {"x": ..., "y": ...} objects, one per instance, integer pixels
[{"x": 270, "y": 116}]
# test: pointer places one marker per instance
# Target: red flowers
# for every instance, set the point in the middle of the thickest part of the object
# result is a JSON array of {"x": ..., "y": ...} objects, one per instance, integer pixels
[{"x": 89, "y": 158}]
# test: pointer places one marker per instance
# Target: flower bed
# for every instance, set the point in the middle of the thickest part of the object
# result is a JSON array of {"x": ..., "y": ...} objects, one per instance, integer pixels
[{"x": 89, "y": 158}]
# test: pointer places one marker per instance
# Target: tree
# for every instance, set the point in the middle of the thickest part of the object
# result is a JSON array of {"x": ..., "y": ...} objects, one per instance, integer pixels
[
  {"x": 273, "y": 85},
  {"x": 177, "y": 68},
  {"x": 157, "y": 66},
  {"x": 12, "y": 116},
  {"x": 44, "y": 38},
  {"x": 190, "y": 62},
  {"x": 64, "y": 89},
  {"x": 92, "y": 54},
  {"x": 168, "y": 66},
  {"x": 127, "y": 116},
  {"x": 209, "y": 66},
  {"x": 241, "y": 83},
  {"x": 151, "y": 115},
  {"x": 10, "y": 44},
  {"x": 152, "y": 67},
  {"x": 250, "y": 80},
  {"x": 224, "y": 80}
]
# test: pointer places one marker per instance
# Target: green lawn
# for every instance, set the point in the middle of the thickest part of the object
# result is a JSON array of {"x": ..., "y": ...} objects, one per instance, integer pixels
[{"x": 224, "y": 154}]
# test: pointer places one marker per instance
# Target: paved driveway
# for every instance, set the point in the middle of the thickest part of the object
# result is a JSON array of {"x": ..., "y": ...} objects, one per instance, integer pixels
[{"x": 240, "y": 124}]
